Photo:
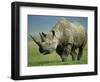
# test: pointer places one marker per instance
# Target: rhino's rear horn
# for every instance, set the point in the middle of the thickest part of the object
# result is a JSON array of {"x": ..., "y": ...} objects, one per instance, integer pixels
[
  {"x": 42, "y": 37},
  {"x": 43, "y": 34}
]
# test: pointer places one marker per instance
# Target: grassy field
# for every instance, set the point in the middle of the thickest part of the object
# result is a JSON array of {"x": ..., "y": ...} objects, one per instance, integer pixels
[{"x": 37, "y": 59}]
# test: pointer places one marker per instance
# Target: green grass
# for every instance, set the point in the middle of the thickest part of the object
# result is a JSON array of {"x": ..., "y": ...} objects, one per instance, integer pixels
[{"x": 35, "y": 58}]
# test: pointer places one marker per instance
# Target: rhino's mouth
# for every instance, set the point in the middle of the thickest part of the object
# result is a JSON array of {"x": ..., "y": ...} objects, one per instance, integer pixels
[{"x": 46, "y": 52}]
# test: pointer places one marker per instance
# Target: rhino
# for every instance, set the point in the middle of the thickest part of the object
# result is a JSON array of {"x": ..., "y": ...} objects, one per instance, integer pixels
[{"x": 66, "y": 38}]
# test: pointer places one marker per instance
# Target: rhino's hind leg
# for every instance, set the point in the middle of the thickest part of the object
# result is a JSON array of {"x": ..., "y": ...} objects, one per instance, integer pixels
[
  {"x": 74, "y": 55},
  {"x": 80, "y": 53}
]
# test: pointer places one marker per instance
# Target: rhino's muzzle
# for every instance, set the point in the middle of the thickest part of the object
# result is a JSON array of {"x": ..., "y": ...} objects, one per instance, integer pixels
[{"x": 44, "y": 51}]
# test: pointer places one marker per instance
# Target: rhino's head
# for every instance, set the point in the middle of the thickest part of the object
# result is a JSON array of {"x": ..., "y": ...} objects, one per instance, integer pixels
[{"x": 48, "y": 42}]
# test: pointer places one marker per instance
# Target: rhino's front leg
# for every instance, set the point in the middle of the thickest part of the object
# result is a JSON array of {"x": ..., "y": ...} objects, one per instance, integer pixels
[
  {"x": 66, "y": 52},
  {"x": 61, "y": 52},
  {"x": 74, "y": 55},
  {"x": 67, "y": 49},
  {"x": 63, "y": 57}
]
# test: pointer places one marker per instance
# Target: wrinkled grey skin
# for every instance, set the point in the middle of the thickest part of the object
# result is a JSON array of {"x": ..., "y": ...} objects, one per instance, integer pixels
[{"x": 65, "y": 37}]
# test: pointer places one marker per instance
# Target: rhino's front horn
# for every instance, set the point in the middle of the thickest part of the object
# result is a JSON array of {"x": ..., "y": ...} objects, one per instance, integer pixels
[{"x": 37, "y": 42}]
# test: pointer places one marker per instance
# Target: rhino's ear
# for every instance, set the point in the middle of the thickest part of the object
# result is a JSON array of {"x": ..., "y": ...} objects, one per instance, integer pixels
[{"x": 53, "y": 32}]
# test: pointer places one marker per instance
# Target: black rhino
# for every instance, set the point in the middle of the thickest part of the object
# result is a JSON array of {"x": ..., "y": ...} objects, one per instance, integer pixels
[{"x": 65, "y": 37}]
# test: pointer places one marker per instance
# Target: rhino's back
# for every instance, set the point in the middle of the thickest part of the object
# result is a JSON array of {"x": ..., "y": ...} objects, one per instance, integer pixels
[{"x": 70, "y": 32}]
